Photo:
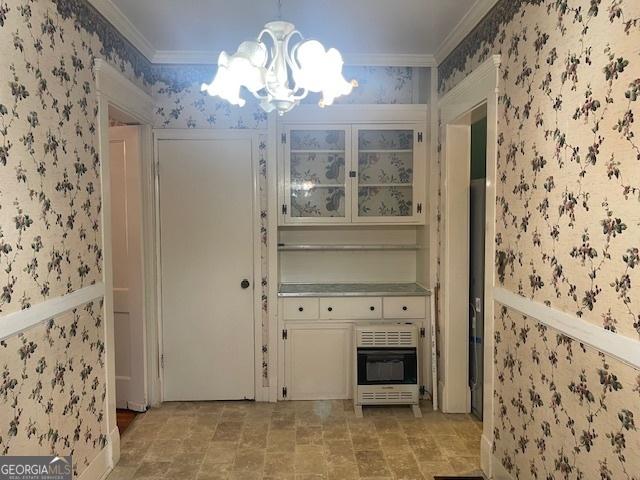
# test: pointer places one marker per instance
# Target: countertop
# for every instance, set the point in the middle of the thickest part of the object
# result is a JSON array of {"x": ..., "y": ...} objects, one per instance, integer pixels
[{"x": 351, "y": 290}]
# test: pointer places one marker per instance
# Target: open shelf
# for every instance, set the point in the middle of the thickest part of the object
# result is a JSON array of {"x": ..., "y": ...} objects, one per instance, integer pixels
[
  {"x": 347, "y": 247},
  {"x": 387, "y": 151}
]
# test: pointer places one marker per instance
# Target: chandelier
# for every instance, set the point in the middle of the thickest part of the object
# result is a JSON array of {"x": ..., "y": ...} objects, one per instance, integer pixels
[{"x": 279, "y": 72}]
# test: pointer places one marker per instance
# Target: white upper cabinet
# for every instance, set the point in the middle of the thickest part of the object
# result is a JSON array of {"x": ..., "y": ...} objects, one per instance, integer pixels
[
  {"x": 374, "y": 174},
  {"x": 316, "y": 178}
]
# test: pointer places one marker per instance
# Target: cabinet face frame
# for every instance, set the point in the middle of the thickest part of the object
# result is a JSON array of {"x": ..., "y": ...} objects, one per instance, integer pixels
[
  {"x": 419, "y": 179},
  {"x": 285, "y": 154}
]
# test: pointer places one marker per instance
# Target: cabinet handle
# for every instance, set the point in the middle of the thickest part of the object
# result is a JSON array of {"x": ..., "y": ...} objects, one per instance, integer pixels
[
  {"x": 372, "y": 308},
  {"x": 300, "y": 309},
  {"x": 330, "y": 309},
  {"x": 404, "y": 307}
]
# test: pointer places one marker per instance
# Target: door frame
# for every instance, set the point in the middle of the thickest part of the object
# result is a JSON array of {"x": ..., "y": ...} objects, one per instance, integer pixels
[
  {"x": 478, "y": 88},
  {"x": 139, "y": 290},
  {"x": 261, "y": 393},
  {"x": 115, "y": 90}
]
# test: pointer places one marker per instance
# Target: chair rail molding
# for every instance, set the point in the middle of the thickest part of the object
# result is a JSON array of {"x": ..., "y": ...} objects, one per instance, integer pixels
[
  {"x": 17, "y": 322},
  {"x": 623, "y": 348}
]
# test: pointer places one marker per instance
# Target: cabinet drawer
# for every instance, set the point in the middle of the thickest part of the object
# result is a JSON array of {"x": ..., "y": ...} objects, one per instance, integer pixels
[
  {"x": 300, "y": 308},
  {"x": 340, "y": 308},
  {"x": 404, "y": 307}
]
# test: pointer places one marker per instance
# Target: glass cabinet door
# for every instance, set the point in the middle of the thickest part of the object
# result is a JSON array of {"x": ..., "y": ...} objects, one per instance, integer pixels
[
  {"x": 386, "y": 169},
  {"x": 316, "y": 170}
]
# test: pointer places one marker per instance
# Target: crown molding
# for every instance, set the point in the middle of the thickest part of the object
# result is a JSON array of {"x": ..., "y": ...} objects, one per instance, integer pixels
[
  {"x": 204, "y": 57},
  {"x": 389, "y": 59},
  {"x": 198, "y": 57},
  {"x": 121, "y": 23},
  {"x": 189, "y": 57},
  {"x": 466, "y": 24}
]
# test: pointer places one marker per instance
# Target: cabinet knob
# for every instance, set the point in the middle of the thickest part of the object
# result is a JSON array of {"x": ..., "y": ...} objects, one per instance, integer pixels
[
  {"x": 300, "y": 309},
  {"x": 404, "y": 307},
  {"x": 330, "y": 309},
  {"x": 244, "y": 284},
  {"x": 372, "y": 308}
]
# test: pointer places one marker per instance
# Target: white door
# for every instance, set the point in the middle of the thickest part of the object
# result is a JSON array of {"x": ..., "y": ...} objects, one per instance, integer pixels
[
  {"x": 126, "y": 239},
  {"x": 206, "y": 221}
]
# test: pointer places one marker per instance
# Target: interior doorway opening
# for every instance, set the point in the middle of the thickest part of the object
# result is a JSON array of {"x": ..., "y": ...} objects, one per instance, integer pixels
[
  {"x": 477, "y": 231},
  {"x": 125, "y": 155}
]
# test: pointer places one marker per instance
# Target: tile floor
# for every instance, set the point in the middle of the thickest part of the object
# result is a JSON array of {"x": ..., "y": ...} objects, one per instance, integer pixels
[{"x": 296, "y": 440}]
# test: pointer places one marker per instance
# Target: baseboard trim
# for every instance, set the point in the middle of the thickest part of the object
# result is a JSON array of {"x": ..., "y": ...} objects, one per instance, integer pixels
[
  {"x": 100, "y": 466},
  {"x": 17, "y": 322},
  {"x": 623, "y": 348},
  {"x": 485, "y": 456}
]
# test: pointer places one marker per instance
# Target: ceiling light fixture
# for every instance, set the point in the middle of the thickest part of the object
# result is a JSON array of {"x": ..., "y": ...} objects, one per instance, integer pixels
[{"x": 279, "y": 73}]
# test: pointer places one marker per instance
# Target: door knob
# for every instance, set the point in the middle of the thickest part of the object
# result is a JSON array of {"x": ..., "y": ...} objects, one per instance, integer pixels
[{"x": 244, "y": 283}]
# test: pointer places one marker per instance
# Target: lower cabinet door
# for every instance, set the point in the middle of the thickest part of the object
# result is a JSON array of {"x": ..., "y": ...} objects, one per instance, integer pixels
[{"x": 318, "y": 361}]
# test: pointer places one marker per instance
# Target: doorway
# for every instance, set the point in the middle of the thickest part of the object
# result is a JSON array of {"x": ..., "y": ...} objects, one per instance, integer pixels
[
  {"x": 206, "y": 191},
  {"x": 477, "y": 208},
  {"x": 125, "y": 155}
]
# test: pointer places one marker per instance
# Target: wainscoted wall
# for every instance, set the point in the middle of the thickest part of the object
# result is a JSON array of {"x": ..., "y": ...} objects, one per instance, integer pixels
[
  {"x": 52, "y": 390},
  {"x": 568, "y": 228},
  {"x": 52, "y": 393}
]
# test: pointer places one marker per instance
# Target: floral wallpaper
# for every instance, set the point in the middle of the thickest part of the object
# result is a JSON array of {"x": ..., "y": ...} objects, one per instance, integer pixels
[
  {"x": 181, "y": 104},
  {"x": 561, "y": 409},
  {"x": 50, "y": 234},
  {"x": 568, "y": 230},
  {"x": 52, "y": 388}
]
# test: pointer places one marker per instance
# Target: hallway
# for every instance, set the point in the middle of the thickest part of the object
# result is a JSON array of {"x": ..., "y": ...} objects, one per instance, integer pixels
[{"x": 296, "y": 440}]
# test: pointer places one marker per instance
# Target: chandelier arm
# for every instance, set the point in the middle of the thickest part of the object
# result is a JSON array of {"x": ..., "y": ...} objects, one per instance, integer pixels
[{"x": 292, "y": 62}]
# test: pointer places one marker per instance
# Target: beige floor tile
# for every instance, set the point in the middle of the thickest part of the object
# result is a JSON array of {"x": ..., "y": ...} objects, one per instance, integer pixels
[
  {"x": 372, "y": 464},
  {"x": 249, "y": 461},
  {"x": 363, "y": 442},
  {"x": 122, "y": 473},
  {"x": 464, "y": 465},
  {"x": 279, "y": 464},
  {"x": 425, "y": 449},
  {"x": 228, "y": 431},
  {"x": 220, "y": 452},
  {"x": 404, "y": 466},
  {"x": 340, "y": 452},
  {"x": 281, "y": 441},
  {"x": 393, "y": 441},
  {"x": 151, "y": 470},
  {"x": 254, "y": 436},
  {"x": 217, "y": 471},
  {"x": 295, "y": 440},
  {"x": 308, "y": 435},
  {"x": 342, "y": 472},
  {"x": 310, "y": 459}
]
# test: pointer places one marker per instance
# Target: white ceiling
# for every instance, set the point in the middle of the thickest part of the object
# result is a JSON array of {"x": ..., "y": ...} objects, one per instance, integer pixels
[{"x": 409, "y": 27}]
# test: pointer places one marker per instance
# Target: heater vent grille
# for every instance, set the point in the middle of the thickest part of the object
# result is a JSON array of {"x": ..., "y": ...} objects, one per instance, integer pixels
[
  {"x": 398, "y": 396},
  {"x": 386, "y": 338}
]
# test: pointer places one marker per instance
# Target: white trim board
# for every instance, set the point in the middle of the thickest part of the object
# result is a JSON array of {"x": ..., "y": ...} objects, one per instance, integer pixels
[
  {"x": 206, "y": 57},
  {"x": 16, "y": 322},
  {"x": 623, "y": 348}
]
